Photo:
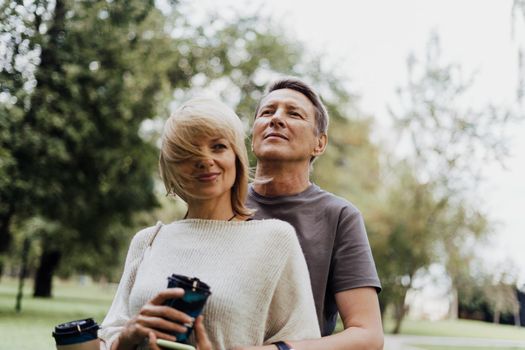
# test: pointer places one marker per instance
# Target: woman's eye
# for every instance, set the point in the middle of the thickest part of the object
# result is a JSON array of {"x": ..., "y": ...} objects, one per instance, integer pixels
[{"x": 219, "y": 146}]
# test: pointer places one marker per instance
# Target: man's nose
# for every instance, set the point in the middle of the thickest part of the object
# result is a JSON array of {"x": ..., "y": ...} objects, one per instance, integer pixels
[{"x": 277, "y": 119}]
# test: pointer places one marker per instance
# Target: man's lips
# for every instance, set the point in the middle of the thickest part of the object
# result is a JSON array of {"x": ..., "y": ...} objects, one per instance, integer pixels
[
  {"x": 275, "y": 135},
  {"x": 205, "y": 177}
]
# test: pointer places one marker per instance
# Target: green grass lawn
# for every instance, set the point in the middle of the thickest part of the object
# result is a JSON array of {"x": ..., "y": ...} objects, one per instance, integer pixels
[
  {"x": 31, "y": 329},
  {"x": 438, "y": 347},
  {"x": 460, "y": 328}
]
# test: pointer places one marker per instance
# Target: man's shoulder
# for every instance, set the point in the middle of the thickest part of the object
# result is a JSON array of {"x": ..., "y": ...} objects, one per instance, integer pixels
[
  {"x": 313, "y": 197},
  {"x": 332, "y": 201}
]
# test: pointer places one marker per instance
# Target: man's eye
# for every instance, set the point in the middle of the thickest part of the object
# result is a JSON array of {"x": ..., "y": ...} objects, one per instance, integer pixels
[{"x": 265, "y": 112}]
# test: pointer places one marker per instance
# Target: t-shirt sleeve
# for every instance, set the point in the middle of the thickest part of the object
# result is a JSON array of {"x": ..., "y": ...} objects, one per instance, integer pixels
[
  {"x": 292, "y": 313},
  {"x": 352, "y": 261},
  {"x": 118, "y": 313}
]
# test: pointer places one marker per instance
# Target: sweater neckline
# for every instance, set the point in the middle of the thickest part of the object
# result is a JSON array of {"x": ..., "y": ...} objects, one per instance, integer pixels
[{"x": 212, "y": 222}]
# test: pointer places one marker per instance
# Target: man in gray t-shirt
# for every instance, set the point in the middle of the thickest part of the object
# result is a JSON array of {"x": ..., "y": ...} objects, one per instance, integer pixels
[
  {"x": 289, "y": 132},
  {"x": 333, "y": 238}
]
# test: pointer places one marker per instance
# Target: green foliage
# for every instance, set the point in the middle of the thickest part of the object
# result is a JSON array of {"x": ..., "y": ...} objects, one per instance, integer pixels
[
  {"x": 80, "y": 118},
  {"x": 350, "y": 165},
  {"x": 403, "y": 231},
  {"x": 70, "y": 122}
]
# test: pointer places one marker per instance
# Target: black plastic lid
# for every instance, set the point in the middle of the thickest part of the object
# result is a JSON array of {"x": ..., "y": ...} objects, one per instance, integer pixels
[
  {"x": 188, "y": 283},
  {"x": 75, "y": 327}
]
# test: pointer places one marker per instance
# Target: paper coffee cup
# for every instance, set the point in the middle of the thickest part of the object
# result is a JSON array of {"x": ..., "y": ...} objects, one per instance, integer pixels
[{"x": 77, "y": 335}]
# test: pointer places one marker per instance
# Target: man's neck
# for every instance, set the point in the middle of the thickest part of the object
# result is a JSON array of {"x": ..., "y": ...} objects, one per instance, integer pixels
[{"x": 284, "y": 178}]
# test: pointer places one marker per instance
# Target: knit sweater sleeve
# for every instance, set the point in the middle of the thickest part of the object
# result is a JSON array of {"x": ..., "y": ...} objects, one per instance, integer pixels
[
  {"x": 292, "y": 314},
  {"x": 119, "y": 313}
]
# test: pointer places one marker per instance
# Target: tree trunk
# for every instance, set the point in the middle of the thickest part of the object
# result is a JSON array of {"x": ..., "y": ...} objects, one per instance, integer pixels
[
  {"x": 497, "y": 315},
  {"x": 399, "y": 312},
  {"x": 49, "y": 261},
  {"x": 5, "y": 232},
  {"x": 454, "y": 305},
  {"x": 517, "y": 321},
  {"x": 23, "y": 274},
  {"x": 49, "y": 62}
]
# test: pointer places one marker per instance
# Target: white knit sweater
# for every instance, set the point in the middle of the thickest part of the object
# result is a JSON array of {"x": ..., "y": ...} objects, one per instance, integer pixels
[{"x": 256, "y": 270}]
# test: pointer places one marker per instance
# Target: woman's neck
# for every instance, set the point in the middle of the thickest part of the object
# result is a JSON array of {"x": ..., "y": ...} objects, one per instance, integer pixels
[{"x": 220, "y": 209}]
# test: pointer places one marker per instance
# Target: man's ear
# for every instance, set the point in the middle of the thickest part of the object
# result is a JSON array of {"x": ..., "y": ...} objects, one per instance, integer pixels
[{"x": 320, "y": 147}]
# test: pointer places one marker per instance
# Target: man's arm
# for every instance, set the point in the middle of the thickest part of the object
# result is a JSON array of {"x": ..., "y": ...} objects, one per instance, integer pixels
[{"x": 359, "y": 310}]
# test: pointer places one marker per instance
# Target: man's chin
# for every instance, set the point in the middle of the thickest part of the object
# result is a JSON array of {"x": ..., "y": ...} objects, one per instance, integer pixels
[
  {"x": 271, "y": 155},
  {"x": 275, "y": 156}
]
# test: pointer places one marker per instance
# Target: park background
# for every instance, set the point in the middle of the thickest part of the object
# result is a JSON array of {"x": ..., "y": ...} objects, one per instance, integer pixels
[{"x": 426, "y": 138}]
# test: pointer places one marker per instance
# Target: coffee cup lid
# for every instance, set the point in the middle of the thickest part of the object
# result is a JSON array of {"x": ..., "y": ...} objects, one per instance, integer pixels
[
  {"x": 192, "y": 283},
  {"x": 75, "y": 331}
]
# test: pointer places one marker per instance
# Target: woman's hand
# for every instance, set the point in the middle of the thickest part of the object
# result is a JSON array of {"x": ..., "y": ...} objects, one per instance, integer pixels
[
  {"x": 203, "y": 342},
  {"x": 154, "y": 318}
]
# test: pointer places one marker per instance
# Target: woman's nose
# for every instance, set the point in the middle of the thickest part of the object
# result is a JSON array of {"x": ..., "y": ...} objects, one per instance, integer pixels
[{"x": 205, "y": 162}]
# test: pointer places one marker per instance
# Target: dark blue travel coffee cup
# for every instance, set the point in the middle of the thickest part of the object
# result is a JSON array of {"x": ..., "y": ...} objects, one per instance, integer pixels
[
  {"x": 77, "y": 335},
  {"x": 196, "y": 293}
]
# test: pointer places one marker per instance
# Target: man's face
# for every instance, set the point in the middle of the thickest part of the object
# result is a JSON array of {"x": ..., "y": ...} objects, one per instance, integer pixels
[{"x": 284, "y": 128}]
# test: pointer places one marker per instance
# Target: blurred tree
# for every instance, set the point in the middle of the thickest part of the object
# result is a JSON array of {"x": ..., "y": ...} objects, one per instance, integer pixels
[
  {"x": 350, "y": 166},
  {"x": 491, "y": 296},
  {"x": 15, "y": 73},
  {"x": 444, "y": 146},
  {"x": 73, "y": 144},
  {"x": 502, "y": 299},
  {"x": 403, "y": 227},
  {"x": 81, "y": 116},
  {"x": 518, "y": 12}
]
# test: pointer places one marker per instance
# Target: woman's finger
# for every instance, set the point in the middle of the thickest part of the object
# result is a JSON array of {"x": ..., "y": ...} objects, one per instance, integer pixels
[
  {"x": 170, "y": 293},
  {"x": 203, "y": 342},
  {"x": 160, "y": 323},
  {"x": 166, "y": 312},
  {"x": 134, "y": 333},
  {"x": 153, "y": 341}
]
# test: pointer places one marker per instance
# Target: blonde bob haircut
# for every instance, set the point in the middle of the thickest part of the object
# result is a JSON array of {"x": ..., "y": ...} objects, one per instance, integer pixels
[{"x": 196, "y": 119}]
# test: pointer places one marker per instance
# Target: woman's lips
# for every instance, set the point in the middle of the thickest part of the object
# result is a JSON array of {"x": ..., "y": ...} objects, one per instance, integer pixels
[{"x": 207, "y": 177}]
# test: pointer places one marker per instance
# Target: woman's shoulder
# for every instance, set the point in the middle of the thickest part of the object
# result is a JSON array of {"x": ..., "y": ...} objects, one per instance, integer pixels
[
  {"x": 275, "y": 224},
  {"x": 145, "y": 235},
  {"x": 275, "y": 228}
]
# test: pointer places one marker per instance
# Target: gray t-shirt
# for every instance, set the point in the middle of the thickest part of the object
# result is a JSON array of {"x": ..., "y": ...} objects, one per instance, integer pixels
[{"x": 332, "y": 235}]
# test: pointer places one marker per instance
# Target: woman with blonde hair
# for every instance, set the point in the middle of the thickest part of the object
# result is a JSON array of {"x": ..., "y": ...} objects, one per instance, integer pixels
[{"x": 260, "y": 285}]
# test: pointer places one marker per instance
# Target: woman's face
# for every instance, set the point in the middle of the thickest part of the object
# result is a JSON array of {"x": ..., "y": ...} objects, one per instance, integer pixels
[{"x": 212, "y": 176}]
